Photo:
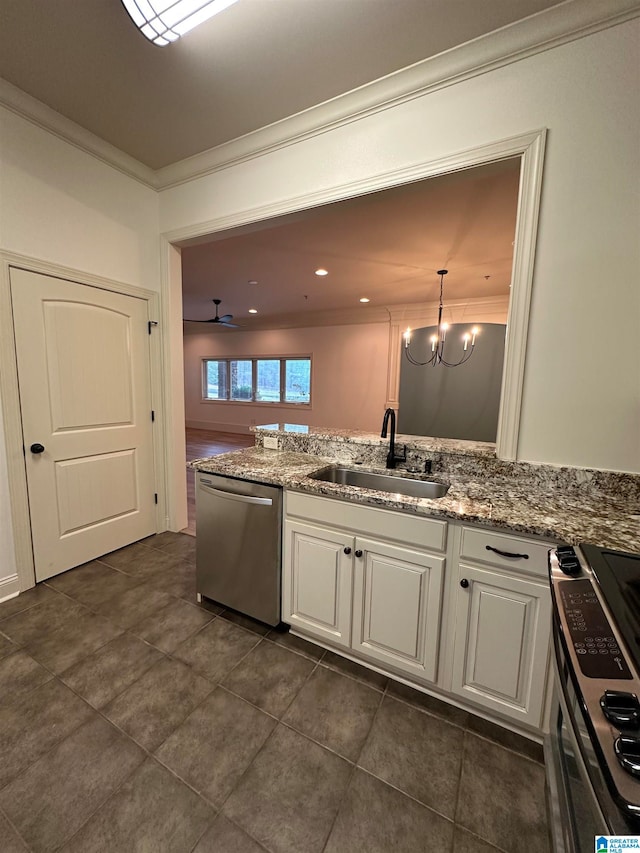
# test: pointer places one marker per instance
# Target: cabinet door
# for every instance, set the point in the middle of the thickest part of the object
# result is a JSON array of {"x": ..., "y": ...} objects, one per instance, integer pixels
[
  {"x": 316, "y": 583},
  {"x": 397, "y": 604},
  {"x": 502, "y": 642}
]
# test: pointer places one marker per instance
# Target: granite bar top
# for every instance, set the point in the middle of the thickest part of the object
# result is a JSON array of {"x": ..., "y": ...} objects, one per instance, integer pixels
[
  {"x": 312, "y": 437},
  {"x": 502, "y": 500}
]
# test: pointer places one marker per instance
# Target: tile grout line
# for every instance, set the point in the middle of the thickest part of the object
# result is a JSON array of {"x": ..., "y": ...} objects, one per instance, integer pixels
[
  {"x": 384, "y": 692},
  {"x": 15, "y": 829},
  {"x": 255, "y": 757},
  {"x": 407, "y": 795},
  {"x": 147, "y": 755},
  {"x": 354, "y": 768},
  {"x": 465, "y": 728},
  {"x": 98, "y": 711}
]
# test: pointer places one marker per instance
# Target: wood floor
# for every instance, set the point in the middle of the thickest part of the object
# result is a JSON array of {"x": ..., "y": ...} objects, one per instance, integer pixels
[{"x": 202, "y": 443}]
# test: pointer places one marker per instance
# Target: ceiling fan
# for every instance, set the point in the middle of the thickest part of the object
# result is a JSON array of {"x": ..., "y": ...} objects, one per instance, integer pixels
[{"x": 225, "y": 320}]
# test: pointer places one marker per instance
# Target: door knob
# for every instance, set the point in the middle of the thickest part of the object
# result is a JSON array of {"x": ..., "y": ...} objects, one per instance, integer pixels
[
  {"x": 347, "y": 551},
  {"x": 464, "y": 583},
  {"x": 37, "y": 448}
]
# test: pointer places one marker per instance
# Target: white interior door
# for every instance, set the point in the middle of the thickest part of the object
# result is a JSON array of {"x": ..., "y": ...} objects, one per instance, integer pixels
[{"x": 85, "y": 398}]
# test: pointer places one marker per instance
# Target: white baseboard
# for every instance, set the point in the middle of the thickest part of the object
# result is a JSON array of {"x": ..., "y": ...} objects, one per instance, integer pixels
[
  {"x": 9, "y": 587},
  {"x": 219, "y": 427}
]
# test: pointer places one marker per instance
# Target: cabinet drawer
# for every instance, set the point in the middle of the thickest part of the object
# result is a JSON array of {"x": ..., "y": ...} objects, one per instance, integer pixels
[
  {"x": 484, "y": 545},
  {"x": 400, "y": 527}
]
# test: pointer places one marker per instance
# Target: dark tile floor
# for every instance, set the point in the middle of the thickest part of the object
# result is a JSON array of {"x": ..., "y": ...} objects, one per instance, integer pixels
[{"x": 132, "y": 719}]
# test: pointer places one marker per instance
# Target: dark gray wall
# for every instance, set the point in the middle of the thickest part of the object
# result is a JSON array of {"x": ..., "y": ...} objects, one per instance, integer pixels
[{"x": 453, "y": 402}]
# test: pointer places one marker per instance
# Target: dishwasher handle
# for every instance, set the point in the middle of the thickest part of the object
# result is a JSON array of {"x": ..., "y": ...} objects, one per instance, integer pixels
[{"x": 245, "y": 499}]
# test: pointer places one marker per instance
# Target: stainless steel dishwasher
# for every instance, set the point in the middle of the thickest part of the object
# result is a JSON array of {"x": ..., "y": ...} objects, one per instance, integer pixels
[{"x": 239, "y": 545}]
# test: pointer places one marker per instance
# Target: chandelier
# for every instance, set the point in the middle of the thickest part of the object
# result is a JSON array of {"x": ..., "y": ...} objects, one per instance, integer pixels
[
  {"x": 164, "y": 21},
  {"x": 438, "y": 340}
]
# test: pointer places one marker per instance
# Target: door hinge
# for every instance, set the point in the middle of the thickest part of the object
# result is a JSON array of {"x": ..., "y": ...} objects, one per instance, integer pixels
[
  {"x": 153, "y": 416},
  {"x": 155, "y": 497},
  {"x": 151, "y": 323}
]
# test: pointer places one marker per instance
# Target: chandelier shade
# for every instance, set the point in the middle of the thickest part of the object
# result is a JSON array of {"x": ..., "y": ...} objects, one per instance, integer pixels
[{"x": 164, "y": 21}]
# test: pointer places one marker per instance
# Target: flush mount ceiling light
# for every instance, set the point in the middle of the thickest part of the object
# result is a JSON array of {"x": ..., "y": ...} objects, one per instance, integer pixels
[
  {"x": 364, "y": 299},
  {"x": 322, "y": 272},
  {"x": 253, "y": 310},
  {"x": 438, "y": 340},
  {"x": 164, "y": 21}
]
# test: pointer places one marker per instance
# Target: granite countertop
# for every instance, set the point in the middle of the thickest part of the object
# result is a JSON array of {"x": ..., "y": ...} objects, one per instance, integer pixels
[
  {"x": 499, "y": 502},
  {"x": 356, "y": 437}
]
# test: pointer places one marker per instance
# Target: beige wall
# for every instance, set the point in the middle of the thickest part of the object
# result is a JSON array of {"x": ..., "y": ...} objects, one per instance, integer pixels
[
  {"x": 62, "y": 206},
  {"x": 579, "y": 408},
  {"x": 348, "y": 381}
]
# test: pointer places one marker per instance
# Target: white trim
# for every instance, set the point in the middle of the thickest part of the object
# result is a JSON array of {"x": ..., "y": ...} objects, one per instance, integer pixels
[
  {"x": 9, "y": 393},
  {"x": 520, "y": 302},
  {"x": 24, "y": 105},
  {"x": 530, "y": 147},
  {"x": 500, "y": 150},
  {"x": 547, "y": 29},
  {"x": 393, "y": 366},
  {"x": 368, "y": 315},
  {"x": 481, "y": 304},
  {"x": 9, "y": 587},
  {"x": 219, "y": 426},
  {"x": 173, "y": 389}
]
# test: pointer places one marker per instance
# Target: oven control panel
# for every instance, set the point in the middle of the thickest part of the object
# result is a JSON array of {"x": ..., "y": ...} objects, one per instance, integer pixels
[
  {"x": 605, "y": 685},
  {"x": 596, "y": 648}
]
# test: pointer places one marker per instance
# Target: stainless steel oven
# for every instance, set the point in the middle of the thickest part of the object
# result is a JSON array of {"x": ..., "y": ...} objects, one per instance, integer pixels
[{"x": 593, "y": 750}]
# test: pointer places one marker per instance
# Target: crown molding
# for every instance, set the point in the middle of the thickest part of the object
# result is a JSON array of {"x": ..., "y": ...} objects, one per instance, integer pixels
[
  {"x": 550, "y": 28},
  {"x": 364, "y": 315},
  {"x": 427, "y": 312},
  {"x": 27, "y": 107},
  {"x": 547, "y": 29},
  {"x": 301, "y": 320}
]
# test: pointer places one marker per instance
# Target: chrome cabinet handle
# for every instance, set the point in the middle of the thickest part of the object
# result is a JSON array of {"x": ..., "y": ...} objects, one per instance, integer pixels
[{"x": 507, "y": 553}]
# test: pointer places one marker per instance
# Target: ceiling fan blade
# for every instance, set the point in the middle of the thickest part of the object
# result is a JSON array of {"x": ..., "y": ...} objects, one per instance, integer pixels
[{"x": 225, "y": 320}]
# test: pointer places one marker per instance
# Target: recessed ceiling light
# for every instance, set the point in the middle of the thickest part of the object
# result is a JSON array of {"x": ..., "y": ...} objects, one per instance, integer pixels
[
  {"x": 364, "y": 299},
  {"x": 322, "y": 272},
  {"x": 253, "y": 310},
  {"x": 252, "y": 281}
]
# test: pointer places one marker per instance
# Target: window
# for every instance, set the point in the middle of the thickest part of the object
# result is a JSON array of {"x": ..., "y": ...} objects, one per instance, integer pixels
[{"x": 258, "y": 380}]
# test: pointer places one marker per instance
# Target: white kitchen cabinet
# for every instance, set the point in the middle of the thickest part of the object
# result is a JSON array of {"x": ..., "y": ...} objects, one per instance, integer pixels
[
  {"x": 502, "y": 625},
  {"x": 397, "y": 603},
  {"x": 379, "y": 598},
  {"x": 372, "y": 582},
  {"x": 317, "y": 580}
]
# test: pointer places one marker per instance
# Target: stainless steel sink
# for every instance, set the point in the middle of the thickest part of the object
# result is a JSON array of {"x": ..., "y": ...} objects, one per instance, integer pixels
[{"x": 381, "y": 482}]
